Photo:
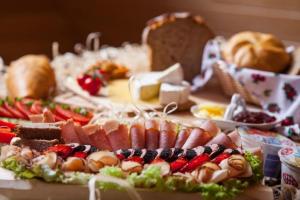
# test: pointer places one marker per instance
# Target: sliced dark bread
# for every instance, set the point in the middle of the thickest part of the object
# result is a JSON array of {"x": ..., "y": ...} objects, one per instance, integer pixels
[
  {"x": 43, "y": 131},
  {"x": 39, "y": 145},
  {"x": 177, "y": 37}
]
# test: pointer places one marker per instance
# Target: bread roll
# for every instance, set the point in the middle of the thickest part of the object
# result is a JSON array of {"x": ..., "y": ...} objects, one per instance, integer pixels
[
  {"x": 256, "y": 50},
  {"x": 177, "y": 38},
  {"x": 30, "y": 76}
]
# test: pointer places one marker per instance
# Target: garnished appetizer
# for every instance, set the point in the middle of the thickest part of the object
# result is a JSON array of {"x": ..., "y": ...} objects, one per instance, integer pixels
[{"x": 99, "y": 74}]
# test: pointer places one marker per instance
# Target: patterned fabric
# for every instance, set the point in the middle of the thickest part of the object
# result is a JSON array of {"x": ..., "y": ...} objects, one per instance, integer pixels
[{"x": 278, "y": 93}]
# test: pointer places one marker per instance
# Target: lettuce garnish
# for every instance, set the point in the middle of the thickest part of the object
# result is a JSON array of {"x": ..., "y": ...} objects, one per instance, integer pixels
[
  {"x": 256, "y": 165},
  {"x": 78, "y": 178},
  {"x": 13, "y": 164}
]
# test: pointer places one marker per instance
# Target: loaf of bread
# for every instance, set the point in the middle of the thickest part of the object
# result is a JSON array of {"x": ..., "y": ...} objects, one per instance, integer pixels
[
  {"x": 177, "y": 38},
  {"x": 256, "y": 50},
  {"x": 30, "y": 76}
]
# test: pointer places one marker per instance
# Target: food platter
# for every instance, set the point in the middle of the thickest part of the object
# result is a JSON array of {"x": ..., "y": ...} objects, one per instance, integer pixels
[{"x": 85, "y": 124}]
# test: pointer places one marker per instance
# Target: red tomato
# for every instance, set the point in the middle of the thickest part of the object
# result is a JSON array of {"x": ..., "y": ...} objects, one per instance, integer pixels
[
  {"x": 36, "y": 107},
  {"x": 15, "y": 112},
  {"x": 92, "y": 85},
  {"x": 5, "y": 113},
  {"x": 6, "y": 137},
  {"x": 7, "y": 124},
  {"x": 68, "y": 114},
  {"x": 23, "y": 108}
]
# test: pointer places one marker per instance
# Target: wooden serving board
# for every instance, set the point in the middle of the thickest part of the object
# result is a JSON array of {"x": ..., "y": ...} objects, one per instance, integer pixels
[{"x": 36, "y": 190}]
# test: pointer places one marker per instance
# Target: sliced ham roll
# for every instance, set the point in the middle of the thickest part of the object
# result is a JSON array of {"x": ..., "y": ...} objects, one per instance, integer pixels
[
  {"x": 119, "y": 138},
  {"x": 100, "y": 140},
  {"x": 196, "y": 138},
  {"x": 82, "y": 135},
  {"x": 211, "y": 127},
  {"x": 36, "y": 118},
  {"x": 182, "y": 137},
  {"x": 235, "y": 138},
  {"x": 137, "y": 135},
  {"x": 167, "y": 137},
  {"x": 48, "y": 117},
  {"x": 90, "y": 128},
  {"x": 68, "y": 132},
  {"x": 152, "y": 134},
  {"x": 222, "y": 139}
]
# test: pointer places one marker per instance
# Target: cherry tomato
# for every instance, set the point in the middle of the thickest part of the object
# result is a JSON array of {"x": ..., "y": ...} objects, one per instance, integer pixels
[
  {"x": 68, "y": 114},
  {"x": 7, "y": 124},
  {"x": 14, "y": 111},
  {"x": 5, "y": 137},
  {"x": 92, "y": 85}
]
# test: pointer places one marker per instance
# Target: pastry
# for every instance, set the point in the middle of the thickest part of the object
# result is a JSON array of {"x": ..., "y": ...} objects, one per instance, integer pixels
[
  {"x": 177, "y": 37},
  {"x": 256, "y": 50},
  {"x": 30, "y": 76}
]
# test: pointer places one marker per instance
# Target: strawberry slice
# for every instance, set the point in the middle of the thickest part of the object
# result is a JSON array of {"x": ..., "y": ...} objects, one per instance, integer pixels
[
  {"x": 221, "y": 157},
  {"x": 62, "y": 150},
  {"x": 195, "y": 162},
  {"x": 178, "y": 164},
  {"x": 36, "y": 107},
  {"x": 69, "y": 114},
  {"x": 6, "y": 137},
  {"x": 7, "y": 124},
  {"x": 80, "y": 154},
  {"x": 23, "y": 108},
  {"x": 3, "y": 111},
  {"x": 135, "y": 159},
  {"x": 14, "y": 111}
]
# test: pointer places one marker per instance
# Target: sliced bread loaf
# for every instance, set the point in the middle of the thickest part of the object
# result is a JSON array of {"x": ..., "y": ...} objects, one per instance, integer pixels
[{"x": 177, "y": 37}]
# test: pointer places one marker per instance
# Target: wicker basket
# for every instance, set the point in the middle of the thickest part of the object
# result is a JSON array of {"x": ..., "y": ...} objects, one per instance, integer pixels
[{"x": 231, "y": 85}]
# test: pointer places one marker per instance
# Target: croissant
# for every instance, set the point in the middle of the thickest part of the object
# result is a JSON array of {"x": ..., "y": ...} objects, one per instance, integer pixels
[{"x": 30, "y": 76}]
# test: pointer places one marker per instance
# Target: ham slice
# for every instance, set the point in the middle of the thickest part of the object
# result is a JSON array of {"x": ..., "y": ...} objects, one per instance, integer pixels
[
  {"x": 82, "y": 135},
  {"x": 119, "y": 139},
  {"x": 197, "y": 138},
  {"x": 210, "y": 127},
  {"x": 100, "y": 140},
  {"x": 167, "y": 137},
  {"x": 68, "y": 132},
  {"x": 235, "y": 138},
  {"x": 90, "y": 128},
  {"x": 152, "y": 134},
  {"x": 182, "y": 137},
  {"x": 222, "y": 139},
  {"x": 137, "y": 135},
  {"x": 48, "y": 117}
]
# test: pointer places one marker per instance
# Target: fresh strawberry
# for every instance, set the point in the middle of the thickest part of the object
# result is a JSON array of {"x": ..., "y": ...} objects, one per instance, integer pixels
[
  {"x": 36, "y": 107},
  {"x": 221, "y": 157},
  {"x": 92, "y": 85},
  {"x": 7, "y": 124},
  {"x": 135, "y": 159},
  {"x": 178, "y": 164},
  {"x": 195, "y": 162},
  {"x": 62, "y": 150},
  {"x": 81, "y": 79},
  {"x": 80, "y": 154}
]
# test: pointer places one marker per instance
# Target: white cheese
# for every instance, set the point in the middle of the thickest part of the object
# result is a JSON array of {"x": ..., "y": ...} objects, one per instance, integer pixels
[
  {"x": 174, "y": 93},
  {"x": 146, "y": 86},
  {"x": 173, "y": 75}
]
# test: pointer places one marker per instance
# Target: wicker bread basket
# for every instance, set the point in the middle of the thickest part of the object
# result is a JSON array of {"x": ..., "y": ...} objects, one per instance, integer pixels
[{"x": 231, "y": 85}]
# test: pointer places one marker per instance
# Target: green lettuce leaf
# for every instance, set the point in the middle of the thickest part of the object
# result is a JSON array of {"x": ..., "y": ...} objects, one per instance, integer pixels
[
  {"x": 79, "y": 178},
  {"x": 256, "y": 165},
  {"x": 149, "y": 178},
  {"x": 180, "y": 183},
  {"x": 230, "y": 189},
  {"x": 13, "y": 164},
  {"x": 110, "y": 171},
  {"x": 48, "y": 174}
]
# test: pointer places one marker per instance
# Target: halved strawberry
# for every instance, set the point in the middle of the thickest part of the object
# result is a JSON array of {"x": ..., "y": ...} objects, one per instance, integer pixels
[
  {"x": 14, "y": 111},
  {"x": 69, "y": 114},
  {"x": 195, "y": 162},
  {"x": 3, "y": 111},
  {"x": 62, "y": 150},
  {"x": 36, "y": 107}
]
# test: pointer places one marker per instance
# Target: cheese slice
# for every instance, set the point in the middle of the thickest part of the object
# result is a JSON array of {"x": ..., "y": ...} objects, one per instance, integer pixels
[
  {"x": 174, "y": 93},
  {"x": 173, "y": 75},
  {"x": 146, "y": 87}
]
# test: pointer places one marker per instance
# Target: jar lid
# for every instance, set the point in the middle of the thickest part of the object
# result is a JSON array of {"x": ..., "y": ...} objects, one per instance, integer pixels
[{"x": 290, "y": 155}]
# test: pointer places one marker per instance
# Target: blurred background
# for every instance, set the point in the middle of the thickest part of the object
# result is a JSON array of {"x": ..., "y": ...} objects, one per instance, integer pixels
[{"x": 31, "y": 26}]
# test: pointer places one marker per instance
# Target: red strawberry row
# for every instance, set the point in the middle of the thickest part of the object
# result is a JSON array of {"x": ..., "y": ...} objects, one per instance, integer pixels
[{"x": 23, "y": 108}]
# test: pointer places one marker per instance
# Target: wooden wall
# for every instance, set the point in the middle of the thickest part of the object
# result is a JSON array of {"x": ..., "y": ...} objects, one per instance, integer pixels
[{"x": 31, "y": 26}]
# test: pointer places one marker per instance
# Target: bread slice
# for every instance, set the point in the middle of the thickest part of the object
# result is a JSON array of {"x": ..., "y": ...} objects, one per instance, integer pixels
[
  {"x": 177, "y": 37},
  {"x": 43, "y": 131},
  {"x": 39, "y": 145}
]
